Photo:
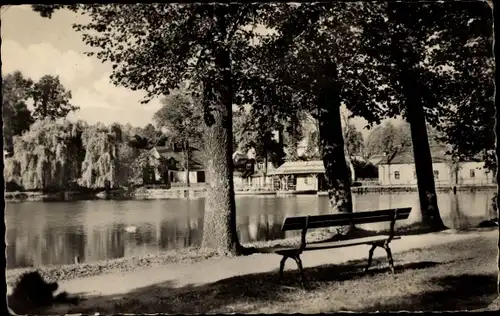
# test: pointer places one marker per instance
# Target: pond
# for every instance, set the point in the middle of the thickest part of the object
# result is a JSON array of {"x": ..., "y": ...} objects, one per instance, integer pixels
[{"x": 43, "y": 233}]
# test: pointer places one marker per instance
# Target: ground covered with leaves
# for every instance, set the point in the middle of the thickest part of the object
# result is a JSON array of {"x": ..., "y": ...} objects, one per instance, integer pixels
[
  {"x": 456, "y": 276},
  {"x": 57, "y": 273}
]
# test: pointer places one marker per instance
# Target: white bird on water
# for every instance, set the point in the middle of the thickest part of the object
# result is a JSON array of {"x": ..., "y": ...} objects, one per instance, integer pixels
[{"x": 130, "y": 229}]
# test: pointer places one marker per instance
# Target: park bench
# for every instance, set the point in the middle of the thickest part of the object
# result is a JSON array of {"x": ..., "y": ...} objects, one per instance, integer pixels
[{"x": 304, "y": 223}]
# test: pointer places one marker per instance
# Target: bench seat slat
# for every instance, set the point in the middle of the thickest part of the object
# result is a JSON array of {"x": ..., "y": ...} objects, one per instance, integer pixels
[
  {"x": 346, "y": 243},
  {"x": 332, "y": 223},
  {"x": 331, "y": 244},
  {"x": 331, "y": 220}
]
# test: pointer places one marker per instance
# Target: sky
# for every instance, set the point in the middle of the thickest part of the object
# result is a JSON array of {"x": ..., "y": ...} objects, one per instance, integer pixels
[{"x": 38, "y": 46}]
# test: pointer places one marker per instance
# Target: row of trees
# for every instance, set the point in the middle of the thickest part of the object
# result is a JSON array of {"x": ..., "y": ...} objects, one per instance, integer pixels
[
  {"x": 57, "y": 154},
  {"x": 47, "y": 96},
  {"x": 379, "y": 59},
  {"x": 60, "y": 155}
]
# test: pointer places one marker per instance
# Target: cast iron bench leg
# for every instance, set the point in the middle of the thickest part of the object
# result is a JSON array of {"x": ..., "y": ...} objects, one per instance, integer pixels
[
  {"x": 370, "y": 256},
  {"x": 301, "y": 269},
  {"x": 282, "y": 267},
  {"x": 389, "y": 257}
]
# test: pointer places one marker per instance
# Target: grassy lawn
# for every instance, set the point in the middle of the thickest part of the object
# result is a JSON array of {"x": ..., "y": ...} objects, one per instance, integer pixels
[{"x": 455, "y": 276}]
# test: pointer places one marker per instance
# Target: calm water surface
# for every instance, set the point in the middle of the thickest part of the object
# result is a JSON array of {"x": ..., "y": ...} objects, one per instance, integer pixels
[{"x": 43, "y": 233}]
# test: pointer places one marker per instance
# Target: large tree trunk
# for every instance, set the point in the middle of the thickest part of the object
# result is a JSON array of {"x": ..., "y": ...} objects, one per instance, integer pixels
[
  {"x": 406, "y": 60},
  {"x": 219, "y": 227},
  {"x": 431, "y": 218},
  {"x": 497, "y": 150},
  {"x": 332, "y": 148}
]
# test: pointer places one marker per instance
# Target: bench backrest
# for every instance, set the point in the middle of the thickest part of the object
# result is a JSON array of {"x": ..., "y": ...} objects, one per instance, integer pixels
[{"x": 332, "y": 220}]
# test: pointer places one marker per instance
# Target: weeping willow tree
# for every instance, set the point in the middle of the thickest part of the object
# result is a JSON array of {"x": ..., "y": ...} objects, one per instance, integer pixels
[
  {"x": 48, "y": 156},
  {"x": 12, "y": 172},
  {"x": 100, "y": 166}
]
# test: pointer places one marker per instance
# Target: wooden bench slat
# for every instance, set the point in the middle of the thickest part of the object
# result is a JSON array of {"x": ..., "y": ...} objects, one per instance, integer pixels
[
  {"x": 331, "y": 244},
  {"x": 349, "y": 242},
  {"x": 333, "y": 223},
  {"x": 331, "y": 220},
  {"x": 387, "y": 212}
]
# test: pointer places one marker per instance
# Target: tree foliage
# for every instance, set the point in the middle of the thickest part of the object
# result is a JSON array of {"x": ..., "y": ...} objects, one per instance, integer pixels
[
  {"x": 292, "y": 135},
  {"x": 375, "y": 58},
  {"x": 449, "y": 64},
  {"x": 16, "y": 115},
  {"x": 306, "y": 65},
  {"x": 257, "y": 132},
  {"x": 155, "y": 48},
  {"x": 415, "y": 47},
  {"x": 181, "y": 118},
  {"x": 100, "y": 165},
  {"x": 353, "y": 140},
  {"x": 48, "y": 156},
  {"x": 387, "y": 139},
  {"x": 51, "y": 99},
  {"x": 62, "y": 155}
]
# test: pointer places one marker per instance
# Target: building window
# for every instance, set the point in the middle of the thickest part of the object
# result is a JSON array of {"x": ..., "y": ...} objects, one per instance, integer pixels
[
  {"x": 436, "y": 174},
  {"x": 305, "y": 180},
  {"x": 414, "y": 174},
  {"x": 472, "y": 173},
  {"x": 396, "y": 175}
]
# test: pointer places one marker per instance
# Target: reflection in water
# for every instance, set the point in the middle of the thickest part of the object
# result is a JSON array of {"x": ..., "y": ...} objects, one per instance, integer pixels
[
  {"x": 55, "y": 233},
  {"x": 457, "y": 218}
]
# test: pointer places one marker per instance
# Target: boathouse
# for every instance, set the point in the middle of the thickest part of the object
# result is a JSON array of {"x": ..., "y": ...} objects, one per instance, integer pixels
[{"x": 299, "y": 176}]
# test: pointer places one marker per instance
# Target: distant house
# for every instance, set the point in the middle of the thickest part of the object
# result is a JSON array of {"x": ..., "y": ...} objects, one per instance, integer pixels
[
  {"x": 259, "y": 178},
  {"x": 401, "y": 170},
  {"x": 173, "y": 158},
  {"x": 250, "y": 174}
]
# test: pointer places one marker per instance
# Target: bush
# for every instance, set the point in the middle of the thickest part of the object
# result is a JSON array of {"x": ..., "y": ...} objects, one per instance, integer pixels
[{"x": 11, "y": 186}]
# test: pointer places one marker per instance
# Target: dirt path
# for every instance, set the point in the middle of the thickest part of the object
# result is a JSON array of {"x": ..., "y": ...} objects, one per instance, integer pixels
[{"x": 180, "y": 275}]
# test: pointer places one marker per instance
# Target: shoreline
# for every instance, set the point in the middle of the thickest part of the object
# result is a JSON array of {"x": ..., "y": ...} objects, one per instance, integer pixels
[
  {"x": 425, "y": 265},
  {"x": 197, "y": 192},
  {"x": 65, "y": 272}
]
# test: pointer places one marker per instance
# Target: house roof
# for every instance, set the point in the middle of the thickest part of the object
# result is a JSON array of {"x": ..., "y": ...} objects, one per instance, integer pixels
[
  {"x": 376, "y": 159},
  {"x": 438, "y": 154},
  {"x": 238, "y": 155},
  {"x": 299, "y": 167}
]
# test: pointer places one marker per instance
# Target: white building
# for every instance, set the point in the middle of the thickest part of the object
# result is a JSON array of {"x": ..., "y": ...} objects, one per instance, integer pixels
[{"x": 401, "y": 171}]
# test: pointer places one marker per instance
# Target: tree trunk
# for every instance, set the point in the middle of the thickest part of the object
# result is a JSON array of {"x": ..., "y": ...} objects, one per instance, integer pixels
[
  {"x": 265, "y": 167},
  {"x": 350, "y": 166},
  {"x": 431, "y": 218},
  {"x": 187, "y": 159},
  {"x": 406, "y": 59},
  {"x": 219, "y": 227},
  {"x": 332, "y": 148}
]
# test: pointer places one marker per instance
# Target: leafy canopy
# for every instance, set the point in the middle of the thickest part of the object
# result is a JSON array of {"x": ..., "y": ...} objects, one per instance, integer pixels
[
  {"x": 51, "y": 99},
  {"x": 17, "y": 117}
]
